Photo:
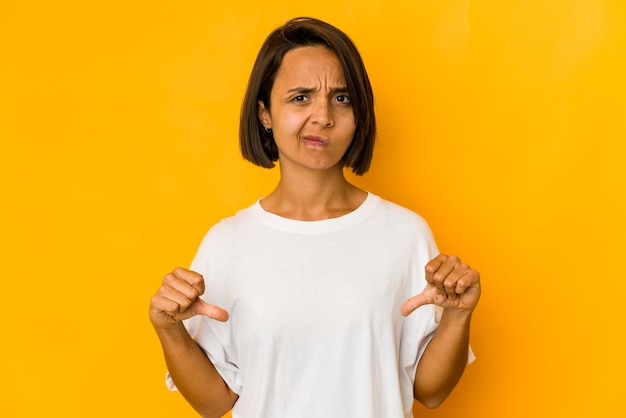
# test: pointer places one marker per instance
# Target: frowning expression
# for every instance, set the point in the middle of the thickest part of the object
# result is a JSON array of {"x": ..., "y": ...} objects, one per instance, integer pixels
[{"x": 310, "y": 112}]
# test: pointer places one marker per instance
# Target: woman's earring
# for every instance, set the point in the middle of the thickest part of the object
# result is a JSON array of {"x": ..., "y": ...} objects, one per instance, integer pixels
[{"x": 268, "y": 130}]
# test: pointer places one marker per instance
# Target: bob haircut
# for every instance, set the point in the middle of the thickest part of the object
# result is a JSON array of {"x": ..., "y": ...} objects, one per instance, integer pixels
[{"x": 257, "y": 145}]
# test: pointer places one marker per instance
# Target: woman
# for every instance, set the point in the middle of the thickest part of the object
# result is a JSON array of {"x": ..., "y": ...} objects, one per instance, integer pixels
[{"x": 321, "y": 299}]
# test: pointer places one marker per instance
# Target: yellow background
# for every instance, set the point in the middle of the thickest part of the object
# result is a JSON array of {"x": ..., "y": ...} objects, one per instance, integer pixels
[{"x": 501, "y": 122}]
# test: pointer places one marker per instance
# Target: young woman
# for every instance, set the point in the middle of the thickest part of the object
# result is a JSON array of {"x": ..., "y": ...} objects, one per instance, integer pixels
[{"x": 321, "y": 299}]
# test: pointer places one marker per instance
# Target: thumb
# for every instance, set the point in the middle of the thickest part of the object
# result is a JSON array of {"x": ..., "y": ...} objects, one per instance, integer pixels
[
  {"x": 415, "y": 302},
  {"x": 200, "y": 307}
]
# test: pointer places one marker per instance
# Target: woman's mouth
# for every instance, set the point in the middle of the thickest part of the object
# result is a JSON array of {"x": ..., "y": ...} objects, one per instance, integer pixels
[{"x": 314, "y": 140}]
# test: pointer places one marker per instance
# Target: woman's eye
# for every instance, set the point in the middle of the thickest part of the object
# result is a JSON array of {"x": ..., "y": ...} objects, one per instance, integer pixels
[
  {"x": 299, "y": 98},
  {"x": 343, "y": 99}
]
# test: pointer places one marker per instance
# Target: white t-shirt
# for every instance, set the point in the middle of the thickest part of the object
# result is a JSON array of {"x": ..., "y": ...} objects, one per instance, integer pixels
[{"x": 315, "y": 328}]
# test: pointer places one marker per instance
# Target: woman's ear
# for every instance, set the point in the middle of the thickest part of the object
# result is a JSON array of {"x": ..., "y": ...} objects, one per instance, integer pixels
[{"x": 264, "y": 115}]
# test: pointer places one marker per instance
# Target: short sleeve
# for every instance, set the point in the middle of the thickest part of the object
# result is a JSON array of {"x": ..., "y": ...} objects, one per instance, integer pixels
[{"x": 201, "y": 330}]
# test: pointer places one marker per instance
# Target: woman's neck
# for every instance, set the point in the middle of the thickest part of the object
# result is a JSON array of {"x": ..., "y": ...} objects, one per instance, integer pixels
[{"x": 314, "y": 196}]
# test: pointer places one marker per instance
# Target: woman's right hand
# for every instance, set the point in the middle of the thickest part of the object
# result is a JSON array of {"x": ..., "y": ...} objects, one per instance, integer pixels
[{"x": 178, "y": 298}]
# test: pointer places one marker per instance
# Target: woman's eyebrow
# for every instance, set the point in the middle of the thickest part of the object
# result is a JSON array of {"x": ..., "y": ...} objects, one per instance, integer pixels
[
  {"x": 341, "y": 89},
  {"x": 301, "y": 90}
]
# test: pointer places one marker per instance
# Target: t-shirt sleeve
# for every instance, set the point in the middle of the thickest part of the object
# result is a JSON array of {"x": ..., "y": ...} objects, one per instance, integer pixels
[
  {"x": 209, "y": 341},
  {"x": 201, "y": 331}
]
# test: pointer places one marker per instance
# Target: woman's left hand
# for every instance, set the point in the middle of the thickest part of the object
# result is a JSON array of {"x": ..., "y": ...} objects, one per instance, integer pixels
[{"x": 450, "y": 284}]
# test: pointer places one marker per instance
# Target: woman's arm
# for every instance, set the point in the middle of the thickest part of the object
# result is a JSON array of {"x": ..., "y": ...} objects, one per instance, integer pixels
[
  {"x": 189, "y": 367},
  {"x": 194, "y": 374},
  {"x": 444, "y": 359},
  {"x": 454, "y": 286}
]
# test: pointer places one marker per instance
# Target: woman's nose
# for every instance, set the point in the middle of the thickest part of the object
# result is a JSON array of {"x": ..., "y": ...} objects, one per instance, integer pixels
[{"x": 322, "y": 113}]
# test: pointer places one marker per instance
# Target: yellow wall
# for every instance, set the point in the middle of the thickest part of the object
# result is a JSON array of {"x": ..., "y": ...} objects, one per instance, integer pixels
[{"x": 503, "y": 123}]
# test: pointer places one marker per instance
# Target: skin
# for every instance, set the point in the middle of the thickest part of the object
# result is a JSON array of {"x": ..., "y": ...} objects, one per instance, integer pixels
[{"x": 313, "y": 124}]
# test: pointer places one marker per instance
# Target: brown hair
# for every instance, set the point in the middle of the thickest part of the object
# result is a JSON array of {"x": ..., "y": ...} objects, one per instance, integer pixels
[{"x": 257, "y": 145}]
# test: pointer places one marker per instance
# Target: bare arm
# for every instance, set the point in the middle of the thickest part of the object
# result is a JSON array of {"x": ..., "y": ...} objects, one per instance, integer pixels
[
  {"x": 455, "y": 287},
  {"x": 443, "y": 361},
  {"x": 191, "y": 370}
]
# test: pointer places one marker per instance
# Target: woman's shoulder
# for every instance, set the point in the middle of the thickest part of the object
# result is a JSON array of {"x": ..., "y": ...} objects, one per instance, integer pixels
[
  {"x": 407, "y": 227},
  {"x": 239, "y": 219},
  {"x": 400, "y": 213},
  {"x": 228, "y": 227}
]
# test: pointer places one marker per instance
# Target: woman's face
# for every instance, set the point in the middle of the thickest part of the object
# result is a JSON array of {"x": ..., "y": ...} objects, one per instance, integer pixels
[{"x": 311, "y": 115}]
